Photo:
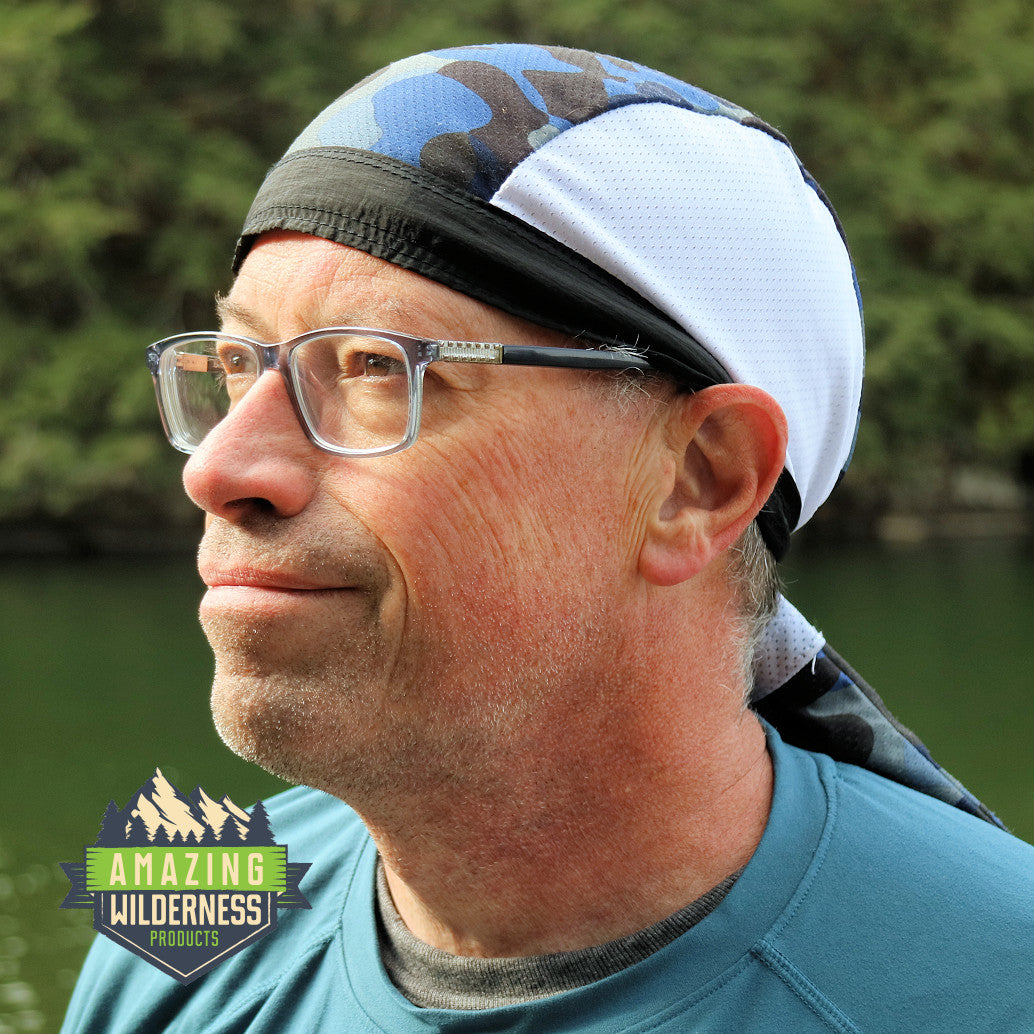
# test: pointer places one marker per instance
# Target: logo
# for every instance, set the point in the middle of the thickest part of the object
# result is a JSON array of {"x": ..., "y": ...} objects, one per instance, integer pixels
[{"x": 184, "y": 881}]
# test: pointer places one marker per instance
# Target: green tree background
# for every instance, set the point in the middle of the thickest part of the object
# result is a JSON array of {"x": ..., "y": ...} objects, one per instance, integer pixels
[{"x": 135, "y": 133}]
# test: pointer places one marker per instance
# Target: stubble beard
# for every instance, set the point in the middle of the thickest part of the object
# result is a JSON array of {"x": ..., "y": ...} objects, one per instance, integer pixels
[
  {"x": 383, "y": 744},
  {"x": 338, "y": 722},
  {"x": 304, "y": 695},
  {"x": 315, "y": 719}
]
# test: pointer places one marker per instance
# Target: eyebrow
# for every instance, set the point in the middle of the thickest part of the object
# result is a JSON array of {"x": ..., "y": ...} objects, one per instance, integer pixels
[{"x": 230, "y": 311}]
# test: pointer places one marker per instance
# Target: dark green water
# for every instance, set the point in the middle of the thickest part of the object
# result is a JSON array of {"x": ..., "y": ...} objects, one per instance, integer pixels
[{"x": 105, "y": 674}]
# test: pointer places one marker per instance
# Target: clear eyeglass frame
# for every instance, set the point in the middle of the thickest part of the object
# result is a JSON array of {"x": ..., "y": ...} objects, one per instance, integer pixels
[{"x": 198, "y": 378}]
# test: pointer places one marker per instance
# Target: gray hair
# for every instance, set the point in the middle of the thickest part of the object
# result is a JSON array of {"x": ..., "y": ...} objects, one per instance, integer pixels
[{"x": 754, "y": 579}]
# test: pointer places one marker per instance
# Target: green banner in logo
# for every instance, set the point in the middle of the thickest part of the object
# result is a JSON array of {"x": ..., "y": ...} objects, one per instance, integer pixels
[{"x": 186, "y": 868}]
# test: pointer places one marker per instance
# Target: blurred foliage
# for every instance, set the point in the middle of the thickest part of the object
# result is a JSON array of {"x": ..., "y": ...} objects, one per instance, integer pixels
[{"x": 135, "y": 134}]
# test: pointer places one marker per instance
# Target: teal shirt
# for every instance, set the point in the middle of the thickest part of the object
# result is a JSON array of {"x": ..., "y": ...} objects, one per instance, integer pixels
[{"x": 867, "y": 907}]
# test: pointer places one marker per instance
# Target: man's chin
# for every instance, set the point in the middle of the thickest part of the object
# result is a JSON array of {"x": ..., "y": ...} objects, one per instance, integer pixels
[
  {"x": 314, "y": 736},
  {"x": 304, "y": 732},
  {"x": 277, "y": 731}
]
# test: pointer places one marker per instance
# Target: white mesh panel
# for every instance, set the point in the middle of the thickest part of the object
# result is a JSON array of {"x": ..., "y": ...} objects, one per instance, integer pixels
[
  {"x": 790, "y": 642},
  {"x": 712, "y": 222}
]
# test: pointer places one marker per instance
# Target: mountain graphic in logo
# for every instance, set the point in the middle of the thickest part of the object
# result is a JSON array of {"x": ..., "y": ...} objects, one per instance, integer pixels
[
  {"x": 159, "y": 814},
  {"x": 216, "y": 814}
]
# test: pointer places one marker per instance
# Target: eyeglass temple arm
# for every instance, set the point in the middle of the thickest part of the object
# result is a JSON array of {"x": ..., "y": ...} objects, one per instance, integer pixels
[{"x": 538, "y": 355}]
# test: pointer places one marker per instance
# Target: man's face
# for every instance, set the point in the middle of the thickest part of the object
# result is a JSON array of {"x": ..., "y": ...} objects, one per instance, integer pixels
[{"x": 392, "y": 621}]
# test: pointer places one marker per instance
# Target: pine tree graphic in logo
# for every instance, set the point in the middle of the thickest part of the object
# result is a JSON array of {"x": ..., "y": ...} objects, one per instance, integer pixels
[{"x": 184, "y": 882}]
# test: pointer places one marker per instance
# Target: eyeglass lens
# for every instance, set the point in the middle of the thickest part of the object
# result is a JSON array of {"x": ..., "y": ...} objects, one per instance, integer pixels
[{"x": 353, "y": 390}]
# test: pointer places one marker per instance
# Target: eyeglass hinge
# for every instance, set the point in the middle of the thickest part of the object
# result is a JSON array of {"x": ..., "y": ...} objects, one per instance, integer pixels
[{"x": 470, "y": 352}]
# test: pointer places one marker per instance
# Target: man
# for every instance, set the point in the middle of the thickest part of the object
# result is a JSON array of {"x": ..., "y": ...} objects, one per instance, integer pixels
[{"x": 503, "y": 602}]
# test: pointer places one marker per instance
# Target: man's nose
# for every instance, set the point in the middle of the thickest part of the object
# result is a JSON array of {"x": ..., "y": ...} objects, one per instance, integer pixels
[{"x": 256, "y": 460}]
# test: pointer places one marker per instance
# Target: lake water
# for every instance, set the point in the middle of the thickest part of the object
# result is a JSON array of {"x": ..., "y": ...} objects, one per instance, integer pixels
[{"x": 105, "y": 675}]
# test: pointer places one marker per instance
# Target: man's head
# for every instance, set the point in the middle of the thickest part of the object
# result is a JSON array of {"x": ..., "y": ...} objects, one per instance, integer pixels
[{"x": 549, "y": 554}]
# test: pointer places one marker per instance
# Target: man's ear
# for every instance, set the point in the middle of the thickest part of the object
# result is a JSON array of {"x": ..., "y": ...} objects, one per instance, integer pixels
[{"x": 729, "y": 446}]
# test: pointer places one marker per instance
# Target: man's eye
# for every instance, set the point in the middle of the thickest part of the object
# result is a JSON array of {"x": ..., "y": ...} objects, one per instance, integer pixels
[
  {"x": 233, "y": 361},
  {"x": 376, "y": 364}
]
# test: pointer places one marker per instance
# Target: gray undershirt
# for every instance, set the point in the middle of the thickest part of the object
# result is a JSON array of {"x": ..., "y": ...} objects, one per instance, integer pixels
[{"x": 432, "y": 978}]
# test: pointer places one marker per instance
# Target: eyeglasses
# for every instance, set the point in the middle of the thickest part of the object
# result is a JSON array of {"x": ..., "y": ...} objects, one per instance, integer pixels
[{"x": 357, "y": 392}]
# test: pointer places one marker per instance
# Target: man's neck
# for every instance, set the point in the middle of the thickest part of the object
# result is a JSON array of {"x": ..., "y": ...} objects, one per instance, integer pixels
[{"x": 579, "y": 849}]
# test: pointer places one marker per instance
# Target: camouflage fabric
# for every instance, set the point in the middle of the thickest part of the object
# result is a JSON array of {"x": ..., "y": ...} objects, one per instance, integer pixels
[
  {"x": 829, "y": 708},
  {"x": 470, "y": 115}
]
